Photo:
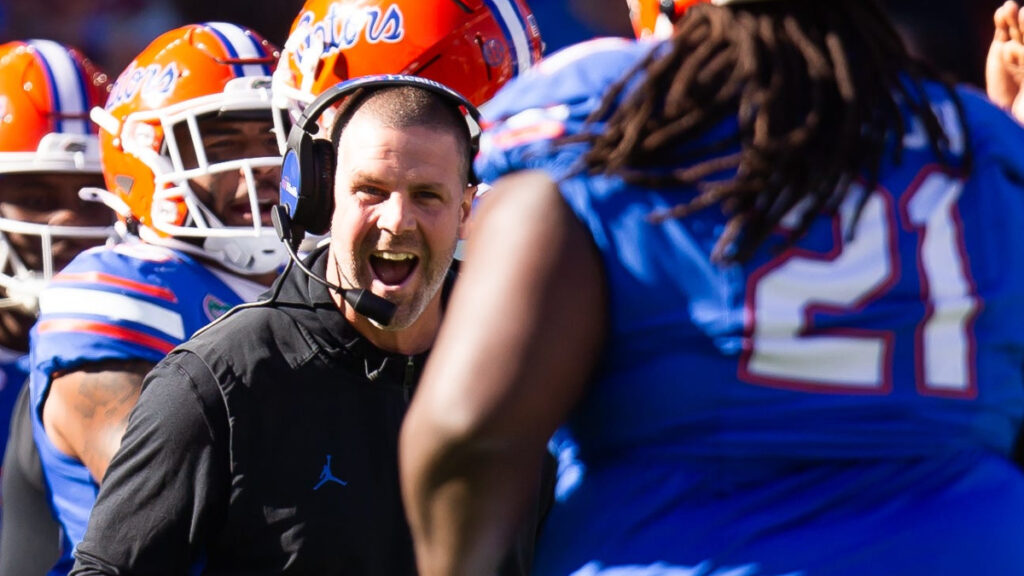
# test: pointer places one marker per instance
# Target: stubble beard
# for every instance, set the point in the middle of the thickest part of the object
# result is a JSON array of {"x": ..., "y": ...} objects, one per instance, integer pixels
[{"x": 409, "y": 308}]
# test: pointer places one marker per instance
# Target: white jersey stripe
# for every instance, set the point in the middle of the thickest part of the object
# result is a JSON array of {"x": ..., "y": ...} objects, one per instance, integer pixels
[
  {"x": 107, "y": 304},
  {"x": 516, "y": 29},
  {"x": 66, "y": 84}
]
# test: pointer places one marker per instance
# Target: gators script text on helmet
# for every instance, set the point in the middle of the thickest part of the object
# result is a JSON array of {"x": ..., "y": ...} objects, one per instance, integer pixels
[
  {"x": 46, "y": 91},
  {"x": 185, "y": 74},
  {"x": 472, "y": 46}
]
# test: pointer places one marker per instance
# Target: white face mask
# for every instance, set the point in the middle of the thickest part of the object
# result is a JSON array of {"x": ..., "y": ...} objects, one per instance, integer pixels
[{"x": 57, "y": 153}]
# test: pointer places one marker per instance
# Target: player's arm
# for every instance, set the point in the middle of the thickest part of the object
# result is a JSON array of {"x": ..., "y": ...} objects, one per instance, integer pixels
[
  {"x": 168, "y": 485},
  {"x": 86, "y": 411},
  {"x": 525, "y": 323}
]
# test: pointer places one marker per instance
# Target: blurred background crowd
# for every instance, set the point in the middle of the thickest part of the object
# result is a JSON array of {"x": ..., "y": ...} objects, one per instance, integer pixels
[{"x": 952, "y": 34}]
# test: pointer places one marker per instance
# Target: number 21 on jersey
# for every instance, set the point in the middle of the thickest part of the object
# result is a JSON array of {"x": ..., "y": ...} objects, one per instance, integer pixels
[{"x": 783, "y": 346}]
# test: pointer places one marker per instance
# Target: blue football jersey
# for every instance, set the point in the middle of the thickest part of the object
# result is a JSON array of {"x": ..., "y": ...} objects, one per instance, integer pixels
[
  {"x": 129, "y": 302},
  {"x": 845, "y": 406}
]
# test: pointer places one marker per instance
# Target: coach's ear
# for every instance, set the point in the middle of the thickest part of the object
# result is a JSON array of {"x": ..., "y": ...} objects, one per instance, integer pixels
[{"x": 465, "y": 208}]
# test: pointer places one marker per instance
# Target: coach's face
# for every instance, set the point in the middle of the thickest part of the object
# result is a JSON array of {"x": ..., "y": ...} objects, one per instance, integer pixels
[{"x": 401, "y": 202}]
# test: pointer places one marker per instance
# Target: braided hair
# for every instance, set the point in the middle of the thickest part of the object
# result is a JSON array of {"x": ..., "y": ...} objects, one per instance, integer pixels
[{"x": 815, "y": 89}]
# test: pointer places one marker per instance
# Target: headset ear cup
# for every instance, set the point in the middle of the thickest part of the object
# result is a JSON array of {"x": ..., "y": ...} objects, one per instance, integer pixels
[
  {"x": 320, "y": 208},
  {"x": 296, "y": 179},
  {"x": 307, "y": 182}
]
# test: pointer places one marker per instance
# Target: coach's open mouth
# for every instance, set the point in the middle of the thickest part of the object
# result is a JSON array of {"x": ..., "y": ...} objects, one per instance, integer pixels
[{"x": 393, "y": 268}]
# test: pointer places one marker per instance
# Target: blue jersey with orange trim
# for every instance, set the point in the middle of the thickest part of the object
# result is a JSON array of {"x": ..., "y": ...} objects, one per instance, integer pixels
[
  {"x": 130, "y": 302},
  {"x": 844, "y": 407}
]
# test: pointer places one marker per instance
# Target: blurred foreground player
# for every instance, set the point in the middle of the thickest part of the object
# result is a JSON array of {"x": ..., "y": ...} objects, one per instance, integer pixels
[{"x": 769, "y": 277}]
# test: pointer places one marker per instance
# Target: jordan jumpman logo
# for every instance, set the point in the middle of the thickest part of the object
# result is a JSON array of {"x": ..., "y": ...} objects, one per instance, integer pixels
[{"x": 327, "y": 476}]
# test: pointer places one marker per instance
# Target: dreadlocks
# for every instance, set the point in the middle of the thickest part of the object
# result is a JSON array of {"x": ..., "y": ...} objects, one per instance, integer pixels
[{"x": 815, "y": 89}]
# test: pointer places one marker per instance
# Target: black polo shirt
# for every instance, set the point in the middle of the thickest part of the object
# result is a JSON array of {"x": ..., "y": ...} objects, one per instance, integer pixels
[{"x": 267, "y": 444}]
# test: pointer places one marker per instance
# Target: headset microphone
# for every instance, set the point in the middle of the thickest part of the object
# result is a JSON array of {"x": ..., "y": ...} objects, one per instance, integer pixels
[{"x": 364, "y": 302}]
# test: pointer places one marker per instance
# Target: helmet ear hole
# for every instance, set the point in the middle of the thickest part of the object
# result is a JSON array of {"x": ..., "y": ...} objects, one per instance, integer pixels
[
  {"x": 124, "y": 183},
  {"x": 340, "y": 66}
]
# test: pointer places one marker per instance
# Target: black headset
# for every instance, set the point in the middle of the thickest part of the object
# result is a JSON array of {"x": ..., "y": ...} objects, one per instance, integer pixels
[{"x": 307, "y": 173}]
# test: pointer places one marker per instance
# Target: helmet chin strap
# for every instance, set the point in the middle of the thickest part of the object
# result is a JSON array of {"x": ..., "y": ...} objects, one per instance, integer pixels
[{"x": 247, "y": 255}]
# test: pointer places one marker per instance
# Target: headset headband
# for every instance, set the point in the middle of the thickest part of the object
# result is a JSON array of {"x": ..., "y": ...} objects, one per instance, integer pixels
[{"x": 342, "y": 90}]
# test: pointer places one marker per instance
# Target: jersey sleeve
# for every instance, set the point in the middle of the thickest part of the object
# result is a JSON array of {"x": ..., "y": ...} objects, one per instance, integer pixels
[
  {"x": 994, "y": 136},
  {"x": 110, "y": 304}
]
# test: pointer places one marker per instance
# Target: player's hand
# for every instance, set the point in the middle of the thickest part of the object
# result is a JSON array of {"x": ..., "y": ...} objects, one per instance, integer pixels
[{"x": 1004, "y": 68}]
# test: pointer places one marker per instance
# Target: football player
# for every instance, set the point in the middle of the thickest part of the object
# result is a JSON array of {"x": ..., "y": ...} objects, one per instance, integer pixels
[
  {"x": 768, "y": 276},
  {"x": 48, "y": 151},
  {"x": 190, "y": 164}
]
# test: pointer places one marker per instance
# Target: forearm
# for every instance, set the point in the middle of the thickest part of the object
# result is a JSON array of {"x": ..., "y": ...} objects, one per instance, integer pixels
[
  {"x": 511, "y": 360},
  {"x": 464, "y": 502}
]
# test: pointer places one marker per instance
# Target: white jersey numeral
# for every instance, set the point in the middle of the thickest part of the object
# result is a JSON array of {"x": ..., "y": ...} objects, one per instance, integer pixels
[{"x": 796, "y": 336}]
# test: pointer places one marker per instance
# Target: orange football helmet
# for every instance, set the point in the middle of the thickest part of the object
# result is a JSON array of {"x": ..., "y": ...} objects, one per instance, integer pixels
[
  {"x": 191, "y": 72},
  {"x": 656, "y": 18},
  {"x": 471, "y": 46},
  {"x": 46, "y": 90}
]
